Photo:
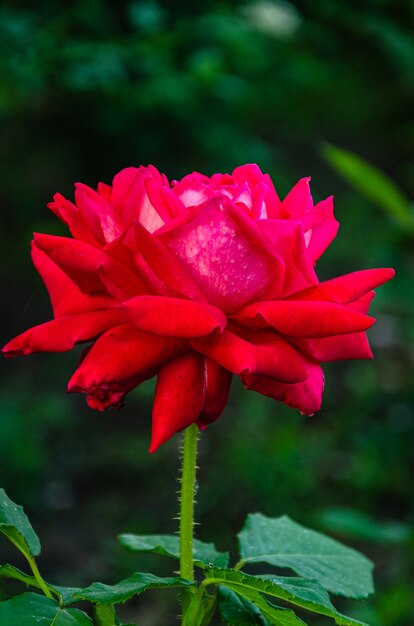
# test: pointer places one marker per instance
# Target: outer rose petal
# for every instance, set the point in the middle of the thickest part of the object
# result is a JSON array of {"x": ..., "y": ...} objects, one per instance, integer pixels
[
  {"x": 89, "y": 267},
  {"x": 322, "y": 229},
  {"x": 61, "y": 334},
  {"x": 112, "y": 395},
  {"x": 231, "y": 267},
  {"x": 273, "y": 357},
  {"x": 174, "y": 317},
  {"x": 299, "y": 201},
  {"x": 105, "y": 191},
  {"x": 318, "y": 222},
  {"x": 363, "y": 303},
  {"x": 216, "y": 393},
  {"x": 69, "y": 214},
  {"x": 120, "y": 355},
  {"x": 65, "y": 296},
  {"x": 347, "y": 288},
  {"x": 305, "y": 318},
  {"x": 179, "y": 397},
  {"x": 340, "y": 348},
  {"x": 305, "y": 396}
]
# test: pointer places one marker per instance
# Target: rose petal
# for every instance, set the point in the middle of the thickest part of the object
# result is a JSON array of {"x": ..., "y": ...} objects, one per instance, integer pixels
[
  {"x": 305, "y": 396},
  {"x": 288, "y": 241},
  {"x": 174, "y": 317},
  {"x": 216, "y": 392},
  {"x": 166, "y": 202},
  {"x": 347, "y": 288},
  {"x": 305, "y": 318},
  {"x": 61, "y": 334},
  {"x": 322, "y": 229},
  {"x": 318, "y": 222},
  {"x": 69, "y": 214},
  {"x": 273, "y": 357},
  {"x": 231, "y": 266},
  {"x": 179, "y": 397},
  {"x": 272, "y": 200},
  {"x": 182, "y": 218},
  {"x": 264, "y": 201},
  {"x": 90, "y": 268},
  {"x": 130, "y": 197},
  {"x": 299, "y": 201},
  {"x": 65, "y": 296},
  {"x": 363, "y": 303},
  {"x": 97, "y": 214},
  {"x": 339, "y": 348},
  {"x": 105, "y": 191},
  {"x": 111, "y": 395},
  {"x": 121, "y": 354},
  {"x": 192, "y": 191},
  {"x": 162, "y": 264}
]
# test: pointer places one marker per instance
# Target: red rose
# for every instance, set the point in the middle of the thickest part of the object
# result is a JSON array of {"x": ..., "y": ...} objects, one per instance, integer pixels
[{"x": 194, "y": 282}]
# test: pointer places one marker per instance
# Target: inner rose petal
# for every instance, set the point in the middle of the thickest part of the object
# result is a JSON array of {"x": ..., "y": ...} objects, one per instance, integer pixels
[{"x": 230, "y": 268}]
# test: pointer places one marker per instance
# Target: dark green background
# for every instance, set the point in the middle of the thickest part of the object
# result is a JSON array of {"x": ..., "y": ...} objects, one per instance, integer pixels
[{"x": 88, "y": 87}]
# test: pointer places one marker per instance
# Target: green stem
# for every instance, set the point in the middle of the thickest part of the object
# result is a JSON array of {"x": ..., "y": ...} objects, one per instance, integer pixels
[
  {"x": 188, "y": 474},
  {"x": 43, "y": 586},
  {"x": 33, "y": 566}
]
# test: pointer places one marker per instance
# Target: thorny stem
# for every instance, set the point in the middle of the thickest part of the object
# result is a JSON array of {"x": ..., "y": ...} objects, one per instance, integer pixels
[{"x": 188, "y": 474}]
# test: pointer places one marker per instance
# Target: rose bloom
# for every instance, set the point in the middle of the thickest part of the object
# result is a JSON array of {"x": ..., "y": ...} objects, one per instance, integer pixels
[{"x": 193, "y": 282}]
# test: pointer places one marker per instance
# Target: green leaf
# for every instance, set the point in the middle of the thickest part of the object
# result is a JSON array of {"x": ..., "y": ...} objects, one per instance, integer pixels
[
  {"x": 238, "y": 611},
  {"x": 259, "y": 610},
  {"x": 131, "y": 586},
  {"x": 284, "y": 543},
  {"x": 67, "y": 593},
  {"x": 15, "y": 525},
  {"x": 302, "y": 592},
  {"x": 169, "y": 545},
  {"x": 32, "y": 609},
  {"x": 274, "y": 614},
  {"x": 9, "y": 571},
  {"x": 372, "y": 182}
]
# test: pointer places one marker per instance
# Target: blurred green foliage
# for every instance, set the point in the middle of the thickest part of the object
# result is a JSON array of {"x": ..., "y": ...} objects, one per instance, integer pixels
[
  {"x": 374, "y": 185},
  {"x": 90, "y": 86}
]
